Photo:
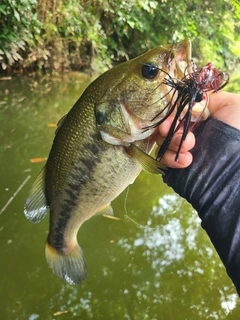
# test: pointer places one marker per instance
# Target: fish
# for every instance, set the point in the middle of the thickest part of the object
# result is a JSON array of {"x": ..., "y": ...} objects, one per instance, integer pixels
[{"x": 100, "y": 147}]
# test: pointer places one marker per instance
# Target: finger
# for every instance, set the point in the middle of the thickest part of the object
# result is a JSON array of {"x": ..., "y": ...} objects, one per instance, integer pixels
[
  {"x": 165, "y": 126},
  {"x": 187, "y": 145},
  {"x": 184, "y": 159},
  {"x": 222, "y": 99},
  {"x": 188, "y": 142}
]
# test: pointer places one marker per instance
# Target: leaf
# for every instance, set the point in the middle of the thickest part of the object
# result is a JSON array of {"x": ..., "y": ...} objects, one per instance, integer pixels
[
  {"x": 16, "y": 15},
  {"x": 4, "y": 66},
  {"x": 16, "y": 56},
  {"x": 10, "y": 59},
  {"x": 2, "y": 10},
  {"x": 37, "y": 160},
  {"x": 58, "y": 313}
]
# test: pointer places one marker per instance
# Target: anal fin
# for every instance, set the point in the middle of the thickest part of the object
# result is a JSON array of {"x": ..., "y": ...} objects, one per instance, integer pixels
[{"x": 106, "y": 210}]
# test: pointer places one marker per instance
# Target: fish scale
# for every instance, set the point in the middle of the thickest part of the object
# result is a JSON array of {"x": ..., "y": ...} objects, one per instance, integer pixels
[{"x": 100, "y": 147}]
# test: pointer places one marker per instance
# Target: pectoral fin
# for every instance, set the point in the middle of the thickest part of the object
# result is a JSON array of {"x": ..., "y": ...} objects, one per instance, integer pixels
[{"x": 145, "y": 161}]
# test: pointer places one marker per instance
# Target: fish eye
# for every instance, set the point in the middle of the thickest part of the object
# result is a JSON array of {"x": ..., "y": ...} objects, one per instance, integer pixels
[{"x": 149, "y": 71}]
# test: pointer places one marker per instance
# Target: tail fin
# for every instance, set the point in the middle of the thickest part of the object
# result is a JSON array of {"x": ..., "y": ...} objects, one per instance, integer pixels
[
  {"x": 36, "y": 206},
  {"x": 70, "y": 266}
]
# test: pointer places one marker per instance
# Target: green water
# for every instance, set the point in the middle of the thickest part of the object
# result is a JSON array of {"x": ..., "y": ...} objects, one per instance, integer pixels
[{"x": 155, "y": 262}]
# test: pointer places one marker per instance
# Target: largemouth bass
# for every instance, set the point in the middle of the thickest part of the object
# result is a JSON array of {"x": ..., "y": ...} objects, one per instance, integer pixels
[{"x": 100, "y": 147}]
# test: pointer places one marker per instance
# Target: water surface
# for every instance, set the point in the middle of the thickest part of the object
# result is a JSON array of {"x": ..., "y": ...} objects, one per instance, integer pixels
[{"x": 155, "y": 262}]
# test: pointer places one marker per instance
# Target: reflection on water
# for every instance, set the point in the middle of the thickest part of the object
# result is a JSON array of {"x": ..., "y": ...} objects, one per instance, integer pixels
[{"x": 154, "y": 263}]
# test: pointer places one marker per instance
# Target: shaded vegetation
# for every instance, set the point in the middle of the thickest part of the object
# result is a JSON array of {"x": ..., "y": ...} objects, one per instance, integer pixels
[{"x": 47, "y": 35}]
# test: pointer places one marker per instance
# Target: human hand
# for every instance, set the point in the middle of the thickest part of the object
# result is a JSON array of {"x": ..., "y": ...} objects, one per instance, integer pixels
[{"x": 222, "y": 105}]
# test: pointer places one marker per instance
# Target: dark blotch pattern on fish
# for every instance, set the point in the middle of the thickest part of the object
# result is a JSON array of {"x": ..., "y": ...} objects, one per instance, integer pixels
[
  {"x": 72, "y": 195},
  {"x": 82, "y": 172}
]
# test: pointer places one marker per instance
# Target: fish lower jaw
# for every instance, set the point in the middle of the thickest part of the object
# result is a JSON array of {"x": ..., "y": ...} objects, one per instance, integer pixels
[
  {"x": 114, "y": 140},
  {"x": 136, "y": 135}
]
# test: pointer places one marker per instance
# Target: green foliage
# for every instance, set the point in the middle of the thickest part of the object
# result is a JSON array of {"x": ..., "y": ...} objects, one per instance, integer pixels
[
  {"x": 18, "y": 24},
  {"x": 136, "y": 26},
  {"x": 234, "y": 83},
  {"x": 78, "y": 34}
]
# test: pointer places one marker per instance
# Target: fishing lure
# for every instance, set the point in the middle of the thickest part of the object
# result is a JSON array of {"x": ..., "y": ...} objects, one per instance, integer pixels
[{"x": 190, "y": 89}]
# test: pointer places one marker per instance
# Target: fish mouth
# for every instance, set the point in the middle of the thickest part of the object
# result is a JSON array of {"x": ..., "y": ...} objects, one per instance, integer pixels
[
  {"x": 135, "y": 126},
  {"x": 182, "y": 53},
  {"x": 180, "y": 63}
]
